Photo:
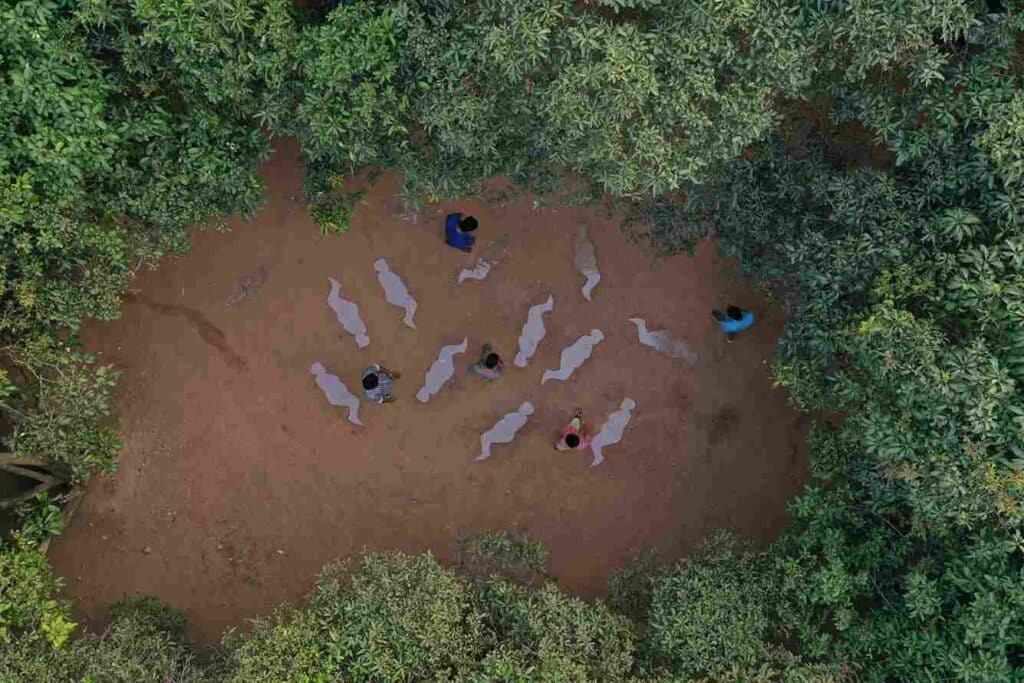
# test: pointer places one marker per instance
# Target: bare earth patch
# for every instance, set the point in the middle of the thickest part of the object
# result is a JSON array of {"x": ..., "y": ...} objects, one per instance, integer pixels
[{"x": 238, "y": 481}]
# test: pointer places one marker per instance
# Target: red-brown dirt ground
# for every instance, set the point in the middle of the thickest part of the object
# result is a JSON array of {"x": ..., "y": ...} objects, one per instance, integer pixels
[{"x": 238, "y": 481}]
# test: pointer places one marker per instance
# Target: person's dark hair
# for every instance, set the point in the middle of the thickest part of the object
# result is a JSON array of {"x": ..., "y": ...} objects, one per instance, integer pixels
[
  {"x": 734, "y": 312},
  {"x": 572, "y": 441},
  {"x": 370, "y": 382},
  {"x": 467, "y": 224},
  {"x": 492, "y": 361}
]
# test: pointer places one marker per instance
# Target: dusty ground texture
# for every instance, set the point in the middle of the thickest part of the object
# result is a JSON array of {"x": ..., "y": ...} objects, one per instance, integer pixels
[{"x": 238, "y": 481}]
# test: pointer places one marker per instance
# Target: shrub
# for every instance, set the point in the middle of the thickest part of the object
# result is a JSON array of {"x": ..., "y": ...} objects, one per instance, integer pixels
[
  {"x": 396, "y": 617},
  {"x": 381, "y": 617},
  {"x": 510, "y": 555},
  {"x": 711, "y": 616},
  {"x": 31, "y": 614},
  {"x": 142, "y": 644}
]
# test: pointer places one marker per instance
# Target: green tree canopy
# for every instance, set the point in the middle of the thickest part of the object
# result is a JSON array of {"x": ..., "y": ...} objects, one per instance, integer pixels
[{"x": 123, "y": 122}]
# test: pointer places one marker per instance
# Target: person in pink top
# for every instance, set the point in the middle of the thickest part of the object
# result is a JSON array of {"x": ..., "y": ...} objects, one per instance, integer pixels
[{"x": 574, "y": 436}]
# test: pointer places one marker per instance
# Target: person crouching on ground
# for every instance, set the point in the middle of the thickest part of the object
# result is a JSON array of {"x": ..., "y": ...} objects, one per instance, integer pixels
[
  {"x": 734, "y": 320},
  {"x": 458, "y": 231},
  {"x": 489, "y": 366},
  {"x": 379, "y": 384},
  {"x": 574, "y": 436}
]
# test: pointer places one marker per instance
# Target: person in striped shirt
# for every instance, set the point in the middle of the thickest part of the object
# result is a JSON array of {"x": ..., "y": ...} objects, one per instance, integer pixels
[{"x": 379, "y": 384}]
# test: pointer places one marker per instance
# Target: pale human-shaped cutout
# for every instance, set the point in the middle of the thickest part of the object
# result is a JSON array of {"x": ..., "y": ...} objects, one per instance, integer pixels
[
  {"x": 441, "y": 370},
  {"x": 504, "y": 430},
  {"x": 664, "y": 343},
  {"x": 573, "y": 356},
  {"x": 395, "y": 291},
  {"x": 477, "y": 272},
  {"x": 492, "y": 253},
  {"x": 336, "y": 391},
  {"x": 348, "y": 314},
  {"x": 611, "y": 431},
  {"x": 533, "y": 331},
  {"x": 586, "y": 261}
]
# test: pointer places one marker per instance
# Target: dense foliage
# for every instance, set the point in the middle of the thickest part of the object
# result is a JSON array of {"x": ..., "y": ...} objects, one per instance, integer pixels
[
  {"x": 406, "y": 618},
  {"x": 904, "y": 288},
  {"x": 863, "y": 159},
  {"x": 144, "y": 643},
  {"x": 454, "y": 92}
]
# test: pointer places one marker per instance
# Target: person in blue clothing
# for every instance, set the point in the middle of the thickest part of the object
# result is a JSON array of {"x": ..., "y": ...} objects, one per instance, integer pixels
[
  {"x": 458, "y": 231},
  {"x": 733, "y": 320}
]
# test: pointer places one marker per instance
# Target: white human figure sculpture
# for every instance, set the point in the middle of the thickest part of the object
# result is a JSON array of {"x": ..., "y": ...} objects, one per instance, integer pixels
[
  {"x": 477, "y": 272},
  {"x": 395, "y": 291},
  {"x": 586, "y": 261},
  {"x": 441, "y": 370},
  {"x": 348, "y": 314},
  {"x": 573, "y": 356},
  {"x": 664, "y": 343},
  {"x": 611, "y": 431},
  {"x": 336, "y": 391},
  {"x": 533, "y": 331},
  {"x": 504, "y": 430}
]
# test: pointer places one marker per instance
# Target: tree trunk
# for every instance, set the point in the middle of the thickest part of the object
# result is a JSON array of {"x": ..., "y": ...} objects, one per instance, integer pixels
[
  {"x": 24, "y": 460},
  {"x": 20, "y": 465}
]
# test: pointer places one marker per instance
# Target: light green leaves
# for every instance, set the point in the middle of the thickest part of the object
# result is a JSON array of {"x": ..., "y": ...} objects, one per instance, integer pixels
[
  {"x": 1003, "y": 141},
  {"x": 396, "y": 617}
]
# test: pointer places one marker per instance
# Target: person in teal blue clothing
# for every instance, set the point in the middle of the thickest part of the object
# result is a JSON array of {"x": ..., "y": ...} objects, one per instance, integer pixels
[
  {"x": 458, "y": 231},
  {"x": 733, "y": 320}
]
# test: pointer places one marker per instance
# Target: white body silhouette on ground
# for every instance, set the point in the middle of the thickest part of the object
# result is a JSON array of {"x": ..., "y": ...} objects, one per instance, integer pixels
[
  {"x": 611, "y": 431},
  {"x": 586, "y": 261},
  {"x": 494, "y": 252},
  {"x": 533, "y": 331},
  {"x": 395, "y": 291},
  {"x": 573, "y": 356},
  {"x": 504, "y": 430},
  {"x": 336, "y": 391},
  {"x": 441, "y": 370},
  {"x": 477, "y": 272},
  {"x": 348, "y": 314},
  {"x": 664, "y": 343}
]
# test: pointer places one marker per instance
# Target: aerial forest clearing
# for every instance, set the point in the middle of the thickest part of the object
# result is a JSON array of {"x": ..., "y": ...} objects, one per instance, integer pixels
[
  {"x": 504, "y": 340},
  {"x": 238, "y": 481}
]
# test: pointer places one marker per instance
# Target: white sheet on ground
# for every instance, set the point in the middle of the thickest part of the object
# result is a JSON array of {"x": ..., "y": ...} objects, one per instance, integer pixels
[
  {"x": 586, "y": 261},
  {"x": 395, "y": 291},
  {"x": 505, "y": 429},
  {"x": 611, "y": 431},
  {"x": 533, "y": 331},
  {"x": 348, "y": 314},
  {"x": 440, "y": 371},
  {"x": 336, "y": 391},
  {"x": 664, "y": 343},
  {"x": 573, "y": 356}
]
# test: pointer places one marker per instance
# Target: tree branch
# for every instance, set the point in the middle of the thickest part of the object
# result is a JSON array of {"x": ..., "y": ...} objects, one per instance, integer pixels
[
  {"x": 69, "y": 504},
  {"x": 20, "y": 465},
  {"x": 23, "y": 460},
  {"x": 13, "y": 411},
  {"x": 27, "y": 495},
  {"x": 31, "y": 474}
]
